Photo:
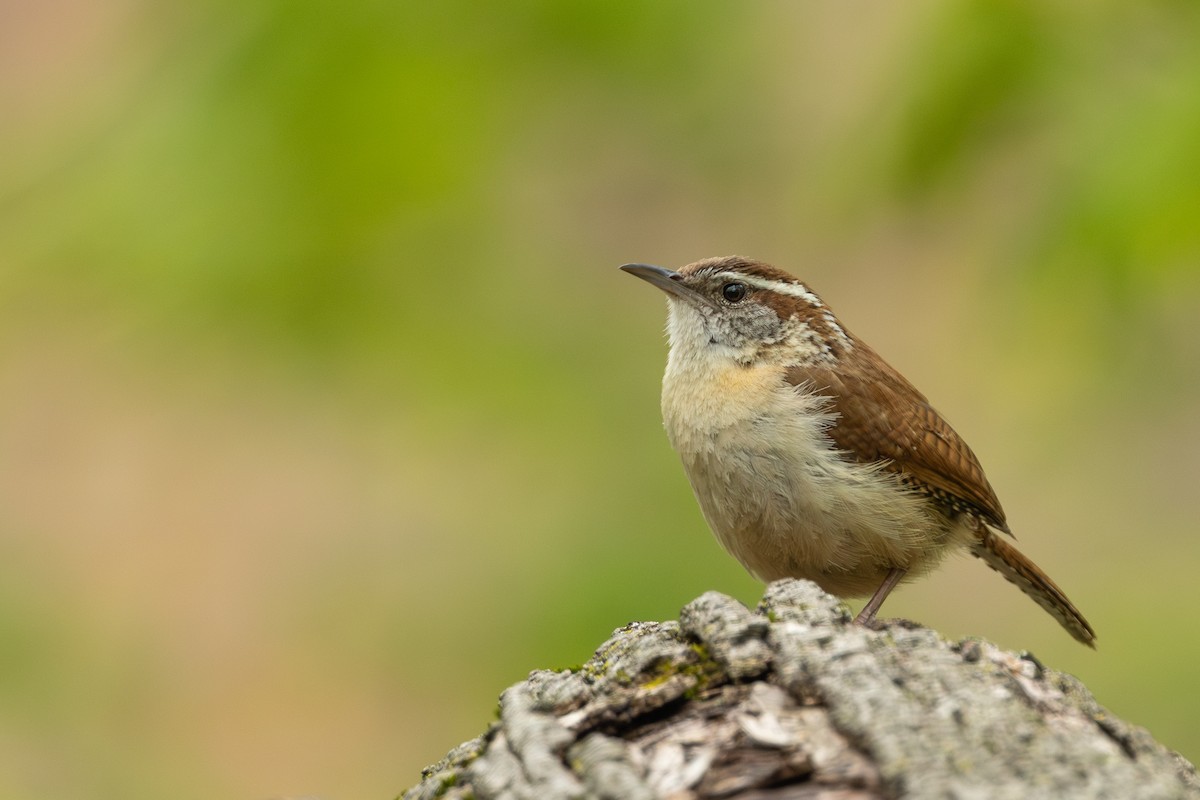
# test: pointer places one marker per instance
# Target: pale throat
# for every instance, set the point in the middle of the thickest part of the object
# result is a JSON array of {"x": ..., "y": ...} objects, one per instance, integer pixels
[{"x": 697, "y": 347}]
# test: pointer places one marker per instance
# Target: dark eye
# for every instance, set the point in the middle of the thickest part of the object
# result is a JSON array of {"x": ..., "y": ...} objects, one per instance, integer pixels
[{"x": 733, "y": 292}]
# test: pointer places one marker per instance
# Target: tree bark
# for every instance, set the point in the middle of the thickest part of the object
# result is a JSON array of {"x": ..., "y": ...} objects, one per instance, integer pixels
[{"x": 793, "y": 701}]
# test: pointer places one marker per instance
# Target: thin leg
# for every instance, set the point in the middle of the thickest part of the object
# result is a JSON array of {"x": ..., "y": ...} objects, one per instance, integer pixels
[{"x": 868, "y": 613}]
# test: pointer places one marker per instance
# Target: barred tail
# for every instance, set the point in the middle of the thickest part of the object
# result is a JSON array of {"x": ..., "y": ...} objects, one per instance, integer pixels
[{"x": 1013, "y": 565}]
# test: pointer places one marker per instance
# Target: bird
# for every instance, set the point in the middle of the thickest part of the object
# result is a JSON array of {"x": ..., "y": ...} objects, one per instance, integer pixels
[{"x": 812, "y": 457}]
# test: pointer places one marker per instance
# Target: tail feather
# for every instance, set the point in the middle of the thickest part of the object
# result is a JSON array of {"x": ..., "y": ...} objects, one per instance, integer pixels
[{"x": 1018, "y": 569}]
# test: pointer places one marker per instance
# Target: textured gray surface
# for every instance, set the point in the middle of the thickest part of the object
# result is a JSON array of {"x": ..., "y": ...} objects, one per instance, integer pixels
[{"x": 792, "y": 701}]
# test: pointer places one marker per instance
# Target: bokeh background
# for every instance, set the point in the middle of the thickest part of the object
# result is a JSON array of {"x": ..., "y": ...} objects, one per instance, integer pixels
[{"x": 325, "y": 413}]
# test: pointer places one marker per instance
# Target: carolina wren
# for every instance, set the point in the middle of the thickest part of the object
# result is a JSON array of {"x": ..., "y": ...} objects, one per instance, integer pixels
[{"x": 810, "y": 456}]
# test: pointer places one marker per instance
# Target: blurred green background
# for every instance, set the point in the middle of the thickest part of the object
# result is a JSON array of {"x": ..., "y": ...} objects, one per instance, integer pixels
[{"x": 326, "y": 414}]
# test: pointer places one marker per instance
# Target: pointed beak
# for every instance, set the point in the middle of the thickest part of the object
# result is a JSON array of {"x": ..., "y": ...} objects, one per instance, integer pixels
[{"x": 669, "y": 281}]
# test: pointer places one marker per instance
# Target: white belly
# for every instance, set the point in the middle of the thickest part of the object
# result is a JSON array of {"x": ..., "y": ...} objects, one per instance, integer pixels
[{"x": 777, "y": 495}]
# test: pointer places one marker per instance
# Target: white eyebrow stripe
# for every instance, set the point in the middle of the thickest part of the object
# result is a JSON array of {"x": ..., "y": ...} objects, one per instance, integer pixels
[{"x": 780, "y": 287}]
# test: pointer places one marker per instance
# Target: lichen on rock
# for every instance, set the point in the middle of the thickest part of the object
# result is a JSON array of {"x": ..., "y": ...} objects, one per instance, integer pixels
[{"x": 791, "y": 700}]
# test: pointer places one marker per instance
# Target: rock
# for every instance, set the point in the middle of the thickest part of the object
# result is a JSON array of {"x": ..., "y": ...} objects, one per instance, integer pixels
[{"x": 793, "y": 701}]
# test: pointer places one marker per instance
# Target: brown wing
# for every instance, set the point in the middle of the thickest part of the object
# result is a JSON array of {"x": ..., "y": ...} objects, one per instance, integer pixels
[{"x": 882, "y": 417}]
